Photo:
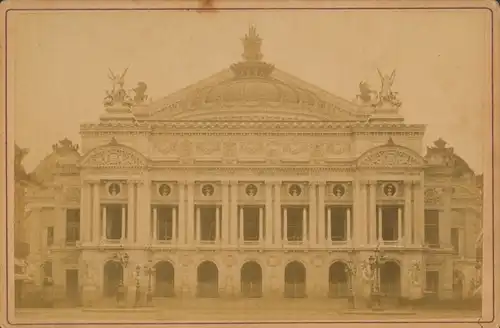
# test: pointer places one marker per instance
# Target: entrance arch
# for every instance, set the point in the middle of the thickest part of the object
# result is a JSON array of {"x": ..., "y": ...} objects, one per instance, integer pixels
[
  {"x": 207, "y": 280},
  {"x": 390, "y": 279},
  {"x": 164, "y": 279},
  {"x": 113, "y": 276},
  {"x": 338, "y": 280},
  {"x": 251, "y": 279},
  {"x": 295, "y": 280}
]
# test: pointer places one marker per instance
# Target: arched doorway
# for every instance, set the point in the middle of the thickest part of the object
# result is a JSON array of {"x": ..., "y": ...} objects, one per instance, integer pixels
[
  {"x": 295, "y": 280},
  {"x": 251, "y": 279},
  {"x": 208, "y": 280},
  {"x": 164, "y": 279},
  {"x": 390, "y": 279},
  {"x": 113, "y": 275},
  {"x": 338, "y": 280},
  {"x": 458, "y": 284}
]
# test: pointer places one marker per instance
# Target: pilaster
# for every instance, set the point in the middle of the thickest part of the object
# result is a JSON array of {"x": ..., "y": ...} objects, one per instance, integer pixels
[
  {"x": 181, "y": 214},
  {"x": 277, "y": 214},
  {"x": 225, "y": 213},
  {"x": 372, "y": 212},
  {"x": 313, "y": 217}
]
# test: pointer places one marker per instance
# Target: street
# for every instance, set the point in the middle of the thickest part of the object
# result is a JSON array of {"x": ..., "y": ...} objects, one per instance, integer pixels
[{"x": 234, "y": 310}]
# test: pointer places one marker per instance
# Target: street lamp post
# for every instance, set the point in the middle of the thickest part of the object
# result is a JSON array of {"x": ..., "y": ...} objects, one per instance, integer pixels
[
  {"x": 149, "y": 270},
  {"x": 375, "y": 261},
  {"x": 350, "y": 269},
  {"x": 137, "y": 284}
]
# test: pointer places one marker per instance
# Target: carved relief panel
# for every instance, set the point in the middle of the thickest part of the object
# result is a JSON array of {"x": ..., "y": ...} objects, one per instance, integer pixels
[
  {"x": 294, "y": 192},
  {"x": 251, "y": 151},
  {"x": 434, "y": 196},
  {"x": 208, "y": 149},
  {"x": 206, "y": 191},
  {"x": 338, "y": 192},
  {"x": 251, "y": 192},
  {"x": 164, "y": 191},
  {"x": 114, "y": 191}
]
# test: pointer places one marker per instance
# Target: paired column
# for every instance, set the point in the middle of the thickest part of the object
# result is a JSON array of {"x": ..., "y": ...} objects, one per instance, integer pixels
[
  {"x": 278, "y": 238},
  {"x": 400, "y": 224},
  {"x": 304, "y": 225},
  {"x": 198, "y": 224},
  {"x": 408, "y": 217},
  {"x": 418, "y": 213},
  {"x": 217, "y": 224},
  {"x": 348, "y": 218},
  {"x": 321, "y": 214},
  {"x": 269, "y": 214},
  {"x": 445, "y": 220},
  {"x": 96, "y": 206},
  {"x": 241, "y": 218},
  {"x": 104, "y": 221},
  {"x": 174, "y": 224},
  {"x": 181, "y": 238},
  {"x": 190, "y": 213},
  {"x": 86, "y": 212},
  {"x": 372, "y": 211},
  {"x": 225, "y": 213},
  {"x": 329, "y": 225},
  {"x": 124, "y": 223},
  {"x": 261, "y": 225},
  {"x": 233, "y": 223},
  {"x": 143, "y": 210},
  {"x": 285, "y": 225},
  {"x": 154, "y": 231},
  {"x": 233, "y": 210},
  {"x": 379, "y": 224},
  {"x": 313, "y": 216},
  {"x": 130, "y": 218},
  {"x": 362, "y": 215}
]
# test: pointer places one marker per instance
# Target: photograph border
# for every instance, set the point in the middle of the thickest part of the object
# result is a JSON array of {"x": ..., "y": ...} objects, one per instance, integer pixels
[{"x": 8, "y": 271}]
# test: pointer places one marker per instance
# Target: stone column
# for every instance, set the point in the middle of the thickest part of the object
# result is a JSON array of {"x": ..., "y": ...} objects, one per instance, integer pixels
[
  {"x": 96, "y": 203},
  {"x": 269, "y": 214},
  {"x": 130, "y": 217},
  {"x": 408, "y": 217},
  {"x": 400, "y": 225},
  {"x": 261, "y": 225},
  {"x": 174, "y": 224},
  {"x": 181, "y": 215},
  {"x": 379, "y": 224},
  {"x": 348, "y": 218},
  {"x": 198, "y": 225},
  {"x": 372, "y": 212},
  {"x": 328, "y": 226},
  {"x": 445, "y": 220},
  {"x": 190, "y": 213},
  {"x": 154, "y": 232},
  {"x": 217, "y": 224},
  {"x": 85, "y": 213},
  {"x": 304, "y": 225},
  {"x": 104, "y": 222},
  {"x": 418, "y": 214},
  {"x": 285, "y": 226},
  {"x": 321, "y": 214},
  {"x": 362, "y": 217},
  {"x": 277, "y": 214},
  {"x": 233, "y": 223},
  {"x": 241, "y": 218},
  {"x": 313, "y": 216},
  {"x": 144, "y": 212},
  {"x": 124, "y": 222},
  {"x": 225, "y": 213}
]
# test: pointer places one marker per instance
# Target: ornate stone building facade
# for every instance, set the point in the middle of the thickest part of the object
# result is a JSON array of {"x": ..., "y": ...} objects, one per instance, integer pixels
[{"x": 254, "y": 183}]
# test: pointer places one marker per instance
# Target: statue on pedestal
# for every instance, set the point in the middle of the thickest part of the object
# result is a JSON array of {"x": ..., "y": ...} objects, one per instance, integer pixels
[
  {"x": 118, "y": 95},
  {"x": 385, "y": 97}
]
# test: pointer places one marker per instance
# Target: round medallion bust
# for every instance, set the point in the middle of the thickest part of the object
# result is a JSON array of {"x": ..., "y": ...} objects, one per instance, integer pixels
[
  {"x": 389, "y": 189},
  {"x": 251, "y": 190},
  {"x": 295, "y": 190},
  {"x": 114, "y": 189},
  {"x": 338, "y": 190},
  {"x": 207, "y": 190},
  {"x": 164, "y": 190}
]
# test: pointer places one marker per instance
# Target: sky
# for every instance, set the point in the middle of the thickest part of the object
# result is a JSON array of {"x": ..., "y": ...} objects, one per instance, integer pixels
[{"x": 58, "y": 63}]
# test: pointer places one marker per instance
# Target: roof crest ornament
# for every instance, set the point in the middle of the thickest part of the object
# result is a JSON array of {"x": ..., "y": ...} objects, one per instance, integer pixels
[{"x": 252, "y": 65}]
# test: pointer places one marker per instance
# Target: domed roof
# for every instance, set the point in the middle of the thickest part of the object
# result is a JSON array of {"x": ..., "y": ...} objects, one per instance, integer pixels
[
  {"x": 63, "y": 158},
  {"x": 252, "y": 88}
]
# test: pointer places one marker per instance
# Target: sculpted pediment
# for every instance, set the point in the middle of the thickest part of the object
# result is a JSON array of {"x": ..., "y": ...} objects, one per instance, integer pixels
[
  {"x": 113, "y": 155},
  {"x": 390, "y": 156}
]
